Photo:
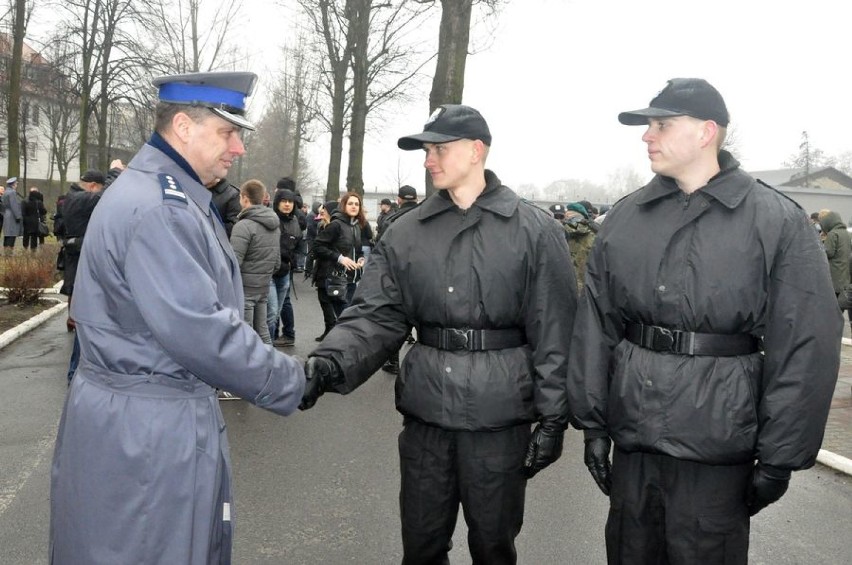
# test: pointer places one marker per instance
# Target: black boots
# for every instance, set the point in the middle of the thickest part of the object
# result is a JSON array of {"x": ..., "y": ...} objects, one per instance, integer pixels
[
  {"x": 325, "y": 333},
  {"x": 392, "y": 364}
]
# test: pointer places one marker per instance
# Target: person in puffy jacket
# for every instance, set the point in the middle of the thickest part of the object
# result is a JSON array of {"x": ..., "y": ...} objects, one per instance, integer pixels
[
  {"x": 337, "y": 249},
  {"x": 486, "y": 279},
  {"x": 838, "y": 249},
  {"x": 226, "y": 199},
  {"x": 706, "y": 345},
  {"x": 291, "y": 225},
  {"x": 33, "y": 212},
  {"x": 255, "y": 241}
]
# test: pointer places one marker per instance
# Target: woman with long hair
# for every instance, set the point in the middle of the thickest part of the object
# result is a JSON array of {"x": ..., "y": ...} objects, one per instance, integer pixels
[{"x": 337, "y": 249}]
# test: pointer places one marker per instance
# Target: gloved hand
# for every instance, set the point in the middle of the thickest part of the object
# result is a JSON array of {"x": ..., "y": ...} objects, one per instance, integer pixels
[
  {"x": 596, "y": 458},
  {"x": 767, "y": 485},
  {"x": 320, "y": 372},
  {"x": 544, "y": 448}
]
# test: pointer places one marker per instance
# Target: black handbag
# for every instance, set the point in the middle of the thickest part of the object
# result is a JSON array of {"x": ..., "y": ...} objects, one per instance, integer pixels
[
  {"x": 335, "y": 285},
  {"x": 42, "y": 228}
]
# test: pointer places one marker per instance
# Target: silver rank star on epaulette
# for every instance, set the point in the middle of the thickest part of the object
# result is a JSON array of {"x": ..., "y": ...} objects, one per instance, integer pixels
[{"x": 171, "y": 188}]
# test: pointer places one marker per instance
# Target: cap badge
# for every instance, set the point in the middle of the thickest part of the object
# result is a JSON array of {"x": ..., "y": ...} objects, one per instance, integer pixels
[{"x": 435, "y": 115}]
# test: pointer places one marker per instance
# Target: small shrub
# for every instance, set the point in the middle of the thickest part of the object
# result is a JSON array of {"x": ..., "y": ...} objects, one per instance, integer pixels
[{"x": 24, "y": 276}]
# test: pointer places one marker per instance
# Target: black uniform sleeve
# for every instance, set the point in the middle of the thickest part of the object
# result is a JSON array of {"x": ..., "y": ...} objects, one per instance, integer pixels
[
  {"x": 371, "y": 328},
  {"x": 549, "y": 315},
  {"x": 802, "y": 351}
]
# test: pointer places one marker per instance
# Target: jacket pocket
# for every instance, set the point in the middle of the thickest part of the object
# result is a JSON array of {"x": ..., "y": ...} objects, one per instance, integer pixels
[{"x": 624, "y": 407}]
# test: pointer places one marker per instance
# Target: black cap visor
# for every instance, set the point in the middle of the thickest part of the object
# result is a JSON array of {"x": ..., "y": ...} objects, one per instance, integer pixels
[
  {"x": 235, "y": 119},
  {"x": 413, "y": 142},
  {"x": 640, "y": 117}
]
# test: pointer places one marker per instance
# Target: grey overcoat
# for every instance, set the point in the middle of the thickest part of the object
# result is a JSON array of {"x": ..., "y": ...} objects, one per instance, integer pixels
[
  {"x": 12, "y": 218},
  {"x": 141, "y": 471}
]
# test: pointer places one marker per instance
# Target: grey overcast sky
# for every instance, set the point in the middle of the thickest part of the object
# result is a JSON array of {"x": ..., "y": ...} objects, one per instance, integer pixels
[
  {"x": 556, "y": 73},
  {"x": 559, "y": 72}
]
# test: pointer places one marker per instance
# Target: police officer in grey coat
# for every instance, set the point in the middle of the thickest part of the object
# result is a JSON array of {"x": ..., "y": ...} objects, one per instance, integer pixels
[
  {"x": 141, "y": 471},
  {"x": 486, "y": 279}
]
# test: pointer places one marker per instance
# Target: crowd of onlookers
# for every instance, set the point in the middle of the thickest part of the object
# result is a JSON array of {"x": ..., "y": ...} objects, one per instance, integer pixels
[
  {"x": 22, "y": 217},
  {"x": 277, "y": 236}
]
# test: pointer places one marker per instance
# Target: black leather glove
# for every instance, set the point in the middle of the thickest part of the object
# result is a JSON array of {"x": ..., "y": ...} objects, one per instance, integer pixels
[
  {"x": 596, "y": 458},
  {"x": 767, "y": 485},
  {"x": 544, "y": 448},
  {"x": 320, "y": 372}
]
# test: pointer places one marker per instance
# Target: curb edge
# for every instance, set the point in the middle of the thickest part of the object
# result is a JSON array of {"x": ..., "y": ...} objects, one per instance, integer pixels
[
  {"x": 11, "y": 335},
  {"x": 835, "y": 461}
]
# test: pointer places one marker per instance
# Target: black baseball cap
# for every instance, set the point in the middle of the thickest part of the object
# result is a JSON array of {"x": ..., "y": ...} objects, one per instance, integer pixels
[
  {"x": 449, "y": 122},
  {"x": 682, "y": 97},
  {"x": 407, "y": 192},
  {"x": 93, "y": 175},
  {"x": 386, "y": 201}
]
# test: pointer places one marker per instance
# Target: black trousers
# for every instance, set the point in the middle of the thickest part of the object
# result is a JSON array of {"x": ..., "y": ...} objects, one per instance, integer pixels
[
  {"x": 331, "y": 308},
  {"x": 31, "y": 240},
  {"x": 9, "y": 241},
  {"x": 670, "y": 511},
  {"x": 479, "y": 470}
]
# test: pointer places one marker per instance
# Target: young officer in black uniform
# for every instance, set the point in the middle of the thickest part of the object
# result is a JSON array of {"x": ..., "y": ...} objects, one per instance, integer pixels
[
  {"x": 688, "y": 277},
  {"x": 486, "y": 280}
]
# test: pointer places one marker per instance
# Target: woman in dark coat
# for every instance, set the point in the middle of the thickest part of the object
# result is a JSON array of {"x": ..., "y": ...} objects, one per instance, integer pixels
[
  {"x": 33, "y": 212},
  {"x": 337, "y": 247}
]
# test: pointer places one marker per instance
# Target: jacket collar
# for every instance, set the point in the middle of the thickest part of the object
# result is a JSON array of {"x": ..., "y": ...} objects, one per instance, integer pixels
[
  {"x": 496, "y": 198},
  {"x": 150, "y": 159},
  {"x": 721, "y": 187}
]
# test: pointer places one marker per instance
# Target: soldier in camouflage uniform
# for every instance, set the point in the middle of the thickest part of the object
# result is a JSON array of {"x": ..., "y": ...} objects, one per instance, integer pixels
[{"x": 580, "y": 233}]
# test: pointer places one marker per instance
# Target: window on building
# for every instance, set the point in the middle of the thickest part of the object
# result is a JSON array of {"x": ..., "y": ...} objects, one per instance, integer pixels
[
  {"x": 32, "y": 151},
  {"x": 34, "y": 116},
  {"x": 2, "y": 146}
]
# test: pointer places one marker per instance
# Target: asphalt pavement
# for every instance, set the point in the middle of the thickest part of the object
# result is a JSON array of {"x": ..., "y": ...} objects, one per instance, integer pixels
[{"x": 321, "y": 487}]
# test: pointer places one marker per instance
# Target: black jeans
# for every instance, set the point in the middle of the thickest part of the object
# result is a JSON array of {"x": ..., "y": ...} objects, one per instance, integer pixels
[
  {"x": 670, "y": 511},
  {"x": 479, "y": 470}
]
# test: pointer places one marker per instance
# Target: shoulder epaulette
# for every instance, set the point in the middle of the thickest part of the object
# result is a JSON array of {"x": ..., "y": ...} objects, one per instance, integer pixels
[{"x": 171, "y": 188}]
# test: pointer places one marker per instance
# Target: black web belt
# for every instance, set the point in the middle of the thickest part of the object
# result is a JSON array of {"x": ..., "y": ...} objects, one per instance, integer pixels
[
  {"x": 453, "y": 339},
  {"x": 657, "y": 338}
]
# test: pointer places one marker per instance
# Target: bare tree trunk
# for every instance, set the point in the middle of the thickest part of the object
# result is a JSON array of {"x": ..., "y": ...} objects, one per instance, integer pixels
[
  {"x": 88, "y": 33},
  {"x": 13, "y": 109},
  {"x": 338, "y": 107},
  {"x": 339, "y": 63},
  {"x": 297, "y": 137},
  {"x": 112, "y": 14},
  {"x": 453, "y": 38},
  {"x": 359, "y": 31}
]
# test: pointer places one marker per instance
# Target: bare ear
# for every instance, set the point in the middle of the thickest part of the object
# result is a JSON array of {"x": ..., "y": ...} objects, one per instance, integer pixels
[
  {"x": 181, "y": 123},
  {"x": 479, "y": 151},
  {"x": 709, "y": 132}
]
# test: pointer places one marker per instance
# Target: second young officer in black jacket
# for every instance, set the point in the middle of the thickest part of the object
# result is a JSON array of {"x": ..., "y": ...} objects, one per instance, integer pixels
[
  {"x": 486, "y": 279},
  {"x": 685, "y": 278}
]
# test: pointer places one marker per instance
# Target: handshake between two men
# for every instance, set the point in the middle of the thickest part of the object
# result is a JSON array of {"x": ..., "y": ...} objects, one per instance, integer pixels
[{"x": 545, "y": 446}]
